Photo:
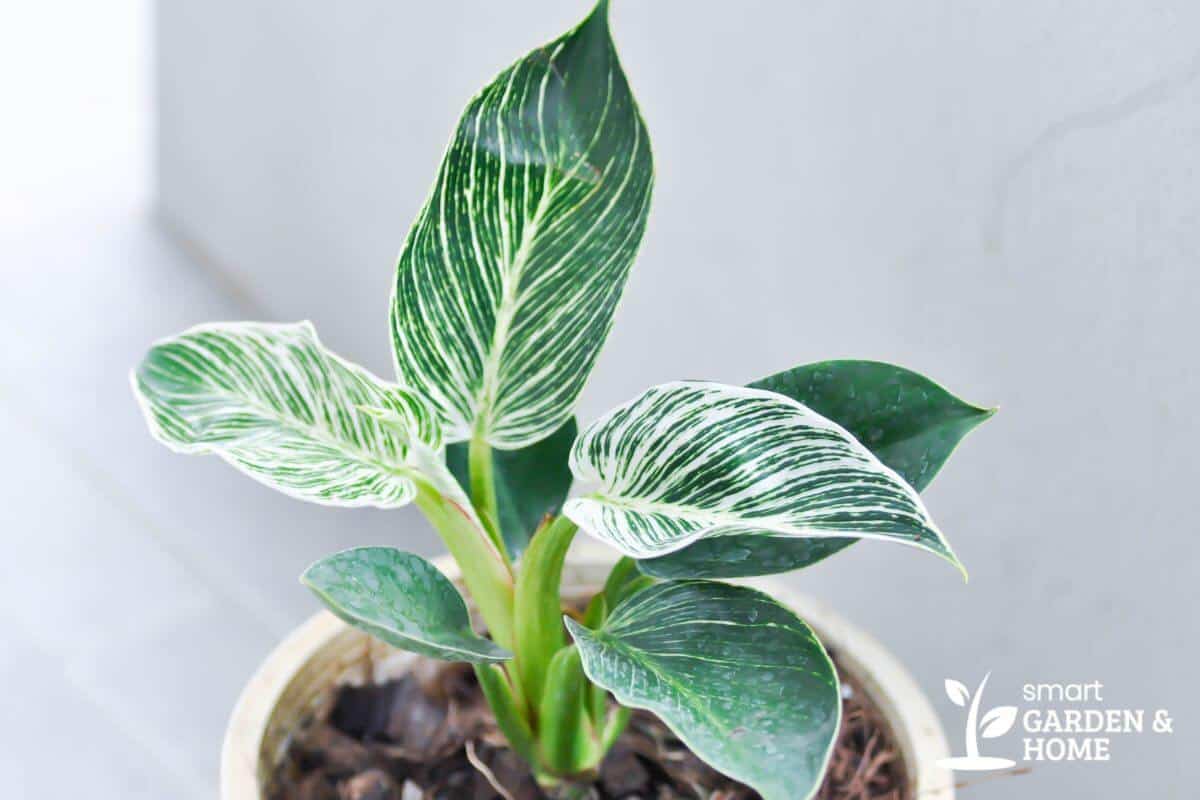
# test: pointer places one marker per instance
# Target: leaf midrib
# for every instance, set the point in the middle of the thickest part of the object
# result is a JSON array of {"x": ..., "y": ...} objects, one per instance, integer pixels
[
  {"x": 630, "y": 653},
  {"x": 505, "y": 313},
  {"x": 492, "y": 656},
  {"x": 318, "y": 433},
  {"x": 714, "y": 519},
  {"x": 512, "y": 276}
]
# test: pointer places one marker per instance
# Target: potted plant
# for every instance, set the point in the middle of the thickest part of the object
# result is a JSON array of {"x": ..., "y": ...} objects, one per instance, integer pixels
[{"x": 504, "y": 292}]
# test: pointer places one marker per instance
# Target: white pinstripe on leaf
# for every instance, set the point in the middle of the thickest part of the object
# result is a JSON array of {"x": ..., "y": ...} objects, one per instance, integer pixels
[
  {"x": 738, "y": 677},
  {"x": 507, "y": 282},
  {"x": 273, "y": 402},
  {"x": 690, "y": 460}
]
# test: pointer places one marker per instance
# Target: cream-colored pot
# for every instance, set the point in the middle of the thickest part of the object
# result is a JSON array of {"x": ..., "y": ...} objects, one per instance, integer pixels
[{"x": 295, "y": 681}]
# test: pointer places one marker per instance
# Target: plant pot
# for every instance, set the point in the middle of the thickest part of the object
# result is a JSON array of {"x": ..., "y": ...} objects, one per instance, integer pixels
[{"x": 294, "y": 683}]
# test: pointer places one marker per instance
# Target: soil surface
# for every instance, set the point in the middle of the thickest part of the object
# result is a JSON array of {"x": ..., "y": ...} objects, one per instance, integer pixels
[{"x": 430, "y": 736}]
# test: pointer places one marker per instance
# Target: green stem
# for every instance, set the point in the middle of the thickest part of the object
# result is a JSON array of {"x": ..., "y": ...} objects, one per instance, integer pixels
[
  {"x": 621, "y": 573},
  {"x": 509, "y": 717},
  {"x": 568, "y": 745},
  {"x": 624, "y": 582},
  {"x": 481, "y": 467},
  {"x": 597, "y": 612},
  {"x": 614, "y": 726},
  {"x": 514, "y": 680},
  {"x": 485, "y": 570},
  {"x": 538, "y": 607}
]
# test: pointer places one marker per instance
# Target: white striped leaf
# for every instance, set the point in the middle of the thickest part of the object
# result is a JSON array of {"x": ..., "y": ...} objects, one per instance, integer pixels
[
  {"x": 273, "y": 402},
  {"x": 507, "y": 282},
  {"x": 689, "y": 460},
  {"x": 737, "y": 676},
  {"x": 909, "y": 422},
  {"x": 402, "y": 599}
]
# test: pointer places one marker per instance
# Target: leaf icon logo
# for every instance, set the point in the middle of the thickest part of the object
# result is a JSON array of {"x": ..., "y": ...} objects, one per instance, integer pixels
[
  {"x": 958, "y": 694},
  {"x": 995, "y": 723},
  {"x": 998, "y": 722}
]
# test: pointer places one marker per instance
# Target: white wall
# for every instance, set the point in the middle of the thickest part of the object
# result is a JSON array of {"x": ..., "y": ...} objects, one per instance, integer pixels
[{"x": 1002, "y": 195}]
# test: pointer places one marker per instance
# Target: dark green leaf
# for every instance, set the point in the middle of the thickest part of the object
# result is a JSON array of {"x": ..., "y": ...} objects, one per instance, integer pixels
[
  {"x": 742, "y": 556},
  {"x": 530, "y": 483},
  {"x": 401, "y": 599},
  {"x": 909, "y": 422},
  {"x": 737, "y": 676}
]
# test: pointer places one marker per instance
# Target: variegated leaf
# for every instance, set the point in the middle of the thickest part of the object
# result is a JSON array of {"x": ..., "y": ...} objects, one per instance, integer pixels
[
  {"x": 507, "y": 282},
  {"x": 692, "y": 460},
  {"x": 907, "y": 421},
  {"x": 737, "y": 676},
  {"x": 272, "y": 401}
]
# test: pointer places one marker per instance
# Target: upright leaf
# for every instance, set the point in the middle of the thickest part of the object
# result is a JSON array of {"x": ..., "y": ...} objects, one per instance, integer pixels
[
  {"x": 401, "y": 599},
  {"x": 507, "y": 281},
  {"x": 738, "y": 677},
  {"x": 909, "y": 422},
  {"x": 530, "y": 483},
  {"x": 688, "y": 461},
  {"x": 273, "y": 402}
]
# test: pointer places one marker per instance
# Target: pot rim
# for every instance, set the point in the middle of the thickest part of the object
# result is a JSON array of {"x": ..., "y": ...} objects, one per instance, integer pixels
[{"x": 905, "y": 707}]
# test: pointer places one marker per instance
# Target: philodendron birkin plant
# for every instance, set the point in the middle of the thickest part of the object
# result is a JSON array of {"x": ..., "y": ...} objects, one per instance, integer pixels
[{"x": 504, "y": 293}]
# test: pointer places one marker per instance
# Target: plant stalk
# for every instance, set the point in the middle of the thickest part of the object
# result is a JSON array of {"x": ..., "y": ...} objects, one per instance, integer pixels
[
  {"x": 509, "y": 716},
  {"x": 538, "y": 607},
  {"x": 481, "y": 467},
  {"x": 567, "y": 743},
  {"x": 485, "y": 570},
  {"x": 614, "y": 726}
]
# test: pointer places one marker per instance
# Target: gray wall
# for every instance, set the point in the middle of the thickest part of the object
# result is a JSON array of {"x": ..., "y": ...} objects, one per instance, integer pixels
[{"x": 1001, "y": 195}]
